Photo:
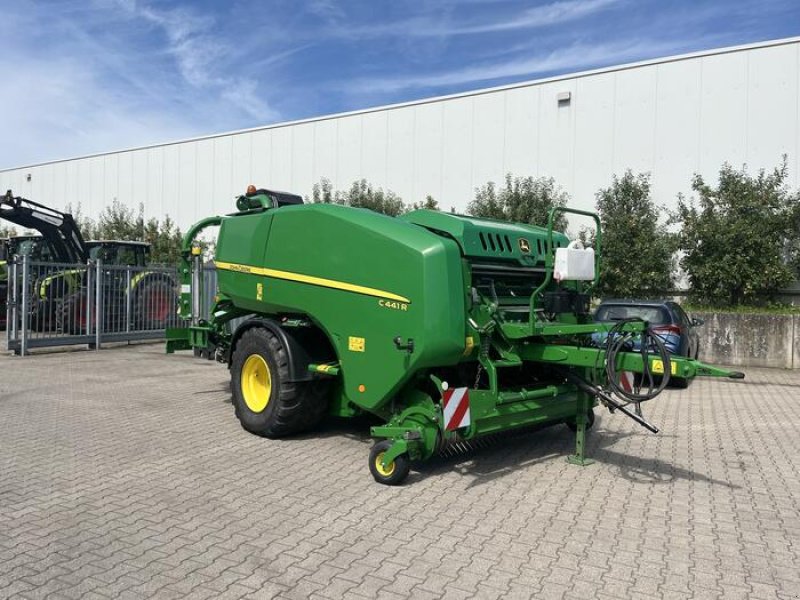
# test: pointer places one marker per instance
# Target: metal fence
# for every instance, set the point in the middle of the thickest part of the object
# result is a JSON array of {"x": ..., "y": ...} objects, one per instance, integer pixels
[{"x": 60, "y": 304}]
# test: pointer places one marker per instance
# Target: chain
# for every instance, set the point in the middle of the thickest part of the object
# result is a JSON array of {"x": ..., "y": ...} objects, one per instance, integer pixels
[{"x": 478, "y": 376}]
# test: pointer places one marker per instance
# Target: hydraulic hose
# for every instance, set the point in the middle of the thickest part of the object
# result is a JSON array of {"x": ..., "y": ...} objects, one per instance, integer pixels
[{"x": 651, "y": 343}]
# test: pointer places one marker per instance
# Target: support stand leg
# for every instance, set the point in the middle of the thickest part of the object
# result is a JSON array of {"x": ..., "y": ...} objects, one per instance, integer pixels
[{"x": 579, "y": 458}]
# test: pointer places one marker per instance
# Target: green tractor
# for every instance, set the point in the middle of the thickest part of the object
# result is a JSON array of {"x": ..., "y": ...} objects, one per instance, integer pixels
[
  {"x": 33, "y": 246},
  {"x": 445, "y": 327},
  {"x": 152, "y": 293},
  {"x": 61, "y": 292}
]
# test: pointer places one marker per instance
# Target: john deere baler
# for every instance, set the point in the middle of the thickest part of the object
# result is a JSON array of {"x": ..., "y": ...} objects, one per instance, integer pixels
[{"x": 446, "y": 327}]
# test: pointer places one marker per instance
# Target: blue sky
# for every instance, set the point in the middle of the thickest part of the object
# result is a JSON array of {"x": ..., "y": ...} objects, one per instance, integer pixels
[{"x": 95, "y": 75}]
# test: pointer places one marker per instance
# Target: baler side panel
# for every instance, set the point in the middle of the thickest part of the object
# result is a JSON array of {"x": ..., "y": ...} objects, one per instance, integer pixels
[
  {"x": 242, "y": 241},
  {"x": 364, "y": 279}
]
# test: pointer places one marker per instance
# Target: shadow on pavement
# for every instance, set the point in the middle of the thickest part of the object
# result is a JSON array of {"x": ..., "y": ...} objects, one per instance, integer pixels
[{"x": 490, "y": 459}]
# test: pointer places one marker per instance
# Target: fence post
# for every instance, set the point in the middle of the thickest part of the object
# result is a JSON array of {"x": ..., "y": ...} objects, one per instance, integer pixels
[
  {"x": 128, "y": 295},
  {"x": 23, "y": 348},
  {"x": 89, "y": 296},
  {"x": 98, "y": 304},
  {"x": 11, "y": 300},
  {"x": 197, "y": 291}
]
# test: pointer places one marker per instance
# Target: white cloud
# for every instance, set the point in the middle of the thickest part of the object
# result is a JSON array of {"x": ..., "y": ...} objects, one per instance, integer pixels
[
  {"x": 194, "y": 42},
  {"x": 540, "y": 16},
  {"x": 91, "y": 79},
  {"x": 52, "y": 107},
  {"x": 576, "y": 56},
  {"x": 190, "y": 40},
  {"x": 431, "y": 25},
  {"x": 245, "y": 96},
  {"x": 328, "y": 10}
]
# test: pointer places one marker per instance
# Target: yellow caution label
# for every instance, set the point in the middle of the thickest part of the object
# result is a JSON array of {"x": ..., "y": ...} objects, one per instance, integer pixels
[
  {"x": 356, "y": 344},
  {"x": 658, "y": 366}
]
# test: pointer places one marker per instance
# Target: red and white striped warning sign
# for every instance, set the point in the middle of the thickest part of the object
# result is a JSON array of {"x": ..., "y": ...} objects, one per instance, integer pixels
[
  {"x": 456, "y": 408},
  {"x": 626, "y": 380}
]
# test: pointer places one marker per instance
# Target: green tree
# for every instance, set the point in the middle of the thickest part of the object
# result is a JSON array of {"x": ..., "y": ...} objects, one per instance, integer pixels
[
  {"x": 637, "y": 251},
  {"x": 429, "y": 204},
  {"x": 85, "y": 225},
  {"x": 118, "y": 221},
  {"x": 360, "y": 195},
  {"x": 6, "y": 231},
  {"x": 521, "y": 200},
  {"x": 792, "y": 251},
  {"x": 740, "y": 237},
  {"x": 322, "y": 192},
  {"x": 165, "y": 239}
]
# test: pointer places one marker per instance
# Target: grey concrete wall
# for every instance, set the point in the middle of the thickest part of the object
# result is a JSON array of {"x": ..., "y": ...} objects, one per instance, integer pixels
[
  {"x": 754, "y": 340},
  {"x": 796, "y": 363}
]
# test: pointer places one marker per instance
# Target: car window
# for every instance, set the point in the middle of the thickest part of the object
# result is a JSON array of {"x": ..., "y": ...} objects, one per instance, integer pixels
[
  {"x": 682, "y": 316},
  {"x": 655, "y": 315}
]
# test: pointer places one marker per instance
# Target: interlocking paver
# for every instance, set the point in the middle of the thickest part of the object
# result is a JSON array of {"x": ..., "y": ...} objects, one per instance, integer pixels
[{"x": 124, "y": 474}]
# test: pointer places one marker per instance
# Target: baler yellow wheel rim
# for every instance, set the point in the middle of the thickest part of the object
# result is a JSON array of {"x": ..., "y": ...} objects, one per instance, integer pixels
[
  {"x": 256, "y": 383},
  {"x": 383, "y": 471}
]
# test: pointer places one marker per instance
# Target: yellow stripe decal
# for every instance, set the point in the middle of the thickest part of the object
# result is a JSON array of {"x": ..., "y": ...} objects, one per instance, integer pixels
[{"x": 310, "y": 279}]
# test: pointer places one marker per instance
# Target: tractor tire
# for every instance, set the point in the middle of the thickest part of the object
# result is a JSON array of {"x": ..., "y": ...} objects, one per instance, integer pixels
[
  {"x": 393, "y": 474},
  {"x": 3, "y": 303},
  {"x": 155, "y": 304},
  {"x": 71, "y": 315},
  {"x": 45, "y": 315},
  {"x": 266, "y": 403}
]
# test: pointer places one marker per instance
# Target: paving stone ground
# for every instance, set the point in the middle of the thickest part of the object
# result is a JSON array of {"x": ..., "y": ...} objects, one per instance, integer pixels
[{"x": 124, "y": 474}]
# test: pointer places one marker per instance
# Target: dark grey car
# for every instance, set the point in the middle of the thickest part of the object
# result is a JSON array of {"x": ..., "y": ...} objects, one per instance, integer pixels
[{"x": 667, "y": 319}]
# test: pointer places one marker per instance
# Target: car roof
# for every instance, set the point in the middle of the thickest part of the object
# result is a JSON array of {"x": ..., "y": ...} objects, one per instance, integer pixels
[{"x": 632, "y": 302}]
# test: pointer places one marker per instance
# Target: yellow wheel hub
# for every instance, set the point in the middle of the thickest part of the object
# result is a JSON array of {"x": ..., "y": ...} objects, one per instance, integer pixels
[
  {"x": 383, "y": 471},
  {"x": 256, "y": 383}
]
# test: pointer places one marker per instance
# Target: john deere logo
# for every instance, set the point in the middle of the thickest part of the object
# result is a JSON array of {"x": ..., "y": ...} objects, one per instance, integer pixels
[{"x": 524, "y": 246}]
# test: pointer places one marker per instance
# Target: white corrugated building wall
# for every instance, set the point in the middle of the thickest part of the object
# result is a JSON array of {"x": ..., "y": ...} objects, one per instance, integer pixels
[{"x": 671, "y": 117}]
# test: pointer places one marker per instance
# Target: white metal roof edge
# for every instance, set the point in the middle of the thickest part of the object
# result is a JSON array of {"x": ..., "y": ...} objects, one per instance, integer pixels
[{"x": 434, "y": 99}]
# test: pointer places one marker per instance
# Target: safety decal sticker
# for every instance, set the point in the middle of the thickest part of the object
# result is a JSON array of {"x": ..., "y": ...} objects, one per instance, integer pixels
[
  {"x": 658, "y": 367},
  {"x": 356, "y": 344},
  {"x": 456, "y": 408},
  {"x": 626, "y": 380}
]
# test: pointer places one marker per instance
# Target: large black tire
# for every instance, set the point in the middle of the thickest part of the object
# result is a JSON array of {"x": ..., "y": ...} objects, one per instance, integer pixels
[
  {"x": 288, "y": 407},
  {"x": 71, "y": 314},
  {"x": 156, "y": 302},
  {"x": 44, "y": 312},
  {"x": 3, "y": 302}
]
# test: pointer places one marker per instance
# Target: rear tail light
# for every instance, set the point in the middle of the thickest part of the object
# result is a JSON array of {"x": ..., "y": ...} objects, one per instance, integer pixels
[{"x": 668, "y": 329}]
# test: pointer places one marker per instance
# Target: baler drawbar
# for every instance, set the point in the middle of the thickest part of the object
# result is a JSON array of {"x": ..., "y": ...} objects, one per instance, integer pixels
[{"x": 446, "y": 327}]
